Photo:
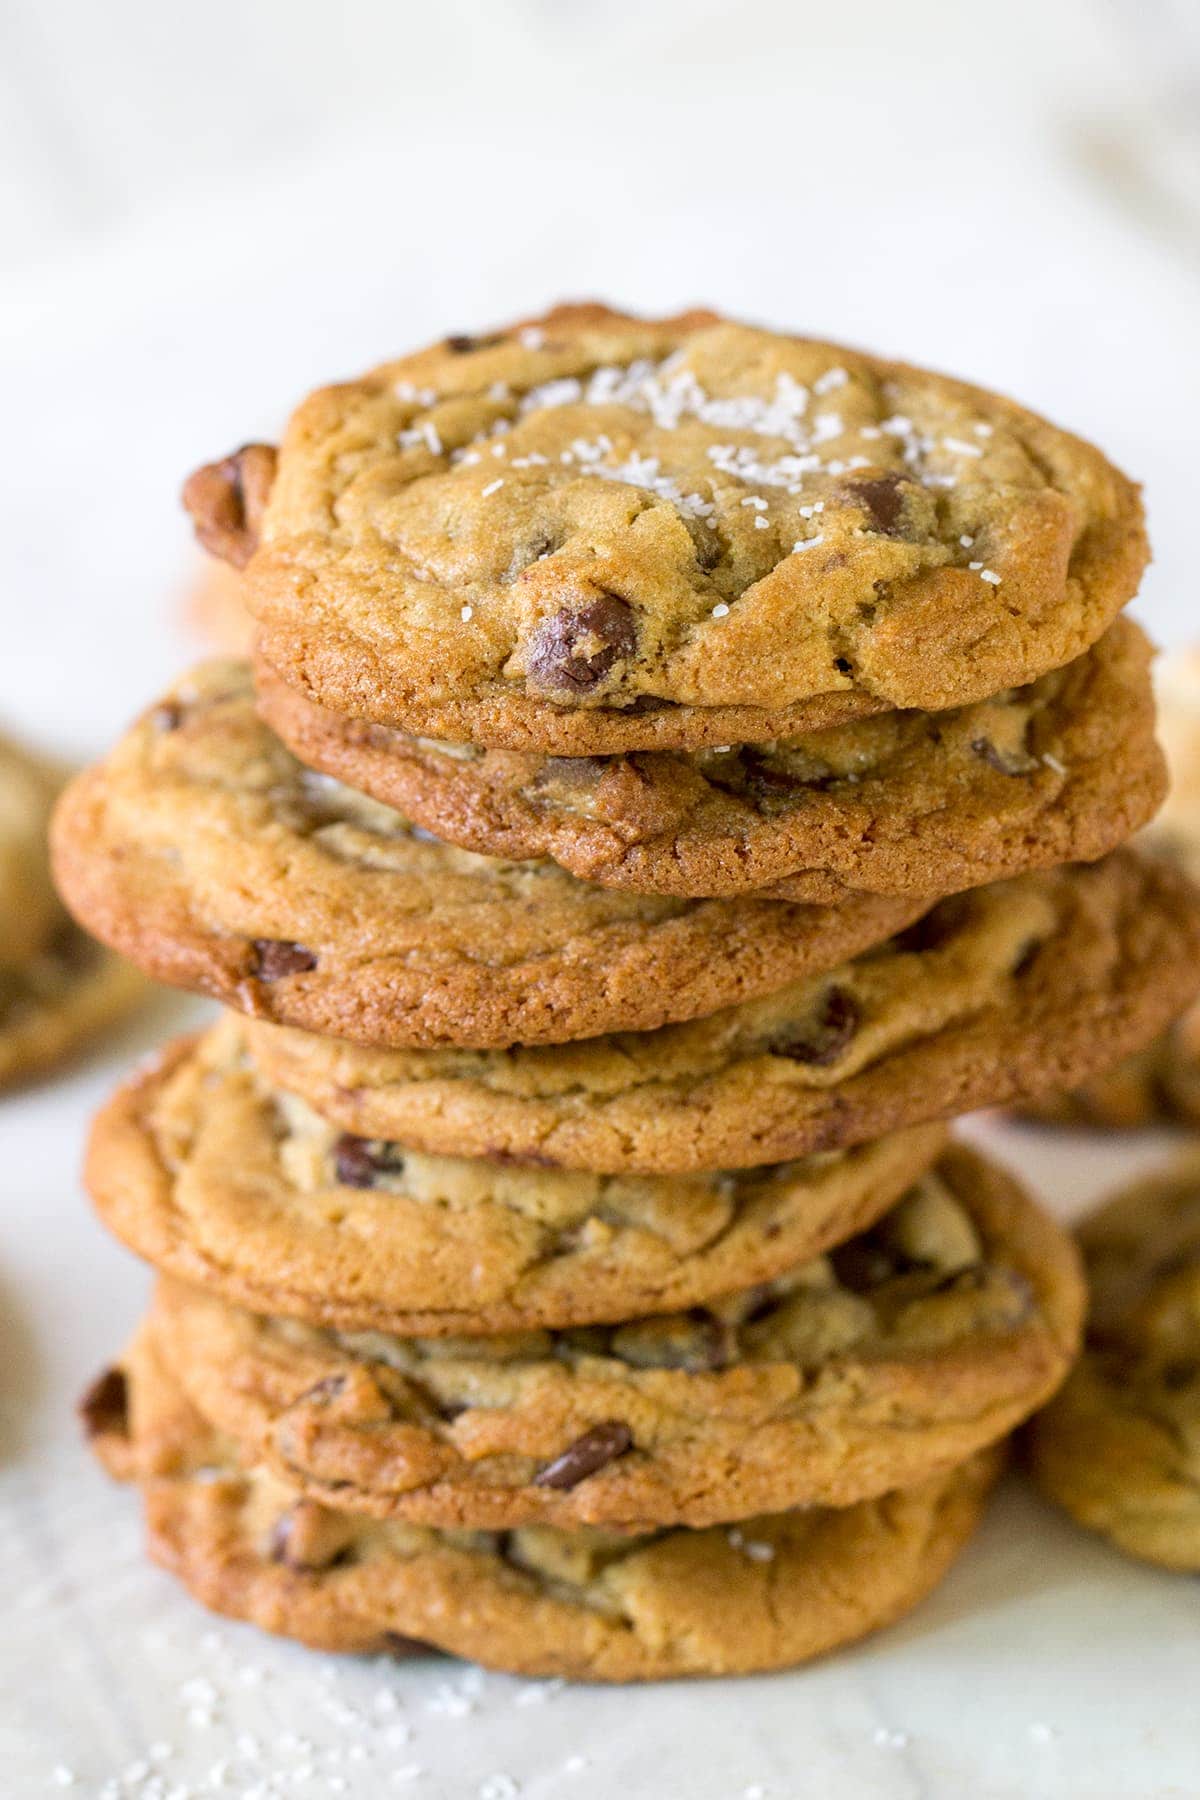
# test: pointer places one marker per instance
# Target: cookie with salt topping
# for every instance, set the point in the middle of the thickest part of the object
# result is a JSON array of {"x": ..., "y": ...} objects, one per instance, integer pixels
[{"x": 594, "y": 533}]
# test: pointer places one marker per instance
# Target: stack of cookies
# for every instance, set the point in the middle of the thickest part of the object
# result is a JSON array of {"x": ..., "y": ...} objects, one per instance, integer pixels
[{"x": 645, "y": 821}]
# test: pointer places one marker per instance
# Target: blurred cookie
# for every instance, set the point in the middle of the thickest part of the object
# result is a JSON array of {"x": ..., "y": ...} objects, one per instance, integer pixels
[{"x": 1119, "y": 1448}]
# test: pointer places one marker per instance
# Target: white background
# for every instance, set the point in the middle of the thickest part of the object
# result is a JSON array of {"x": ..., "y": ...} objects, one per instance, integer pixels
[{"x": 203, "y": 211}]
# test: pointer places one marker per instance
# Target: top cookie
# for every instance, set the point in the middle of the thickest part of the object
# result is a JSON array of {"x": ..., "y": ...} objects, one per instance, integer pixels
[{"x": 600, "y": 533}]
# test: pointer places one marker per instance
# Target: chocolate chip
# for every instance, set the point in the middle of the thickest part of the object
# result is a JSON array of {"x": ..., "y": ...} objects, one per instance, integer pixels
[
  {"x": 882, "y": 498},
  {"x": 226, "y": 501},
  {"x": 597, "y": 1448},
  {"x": 754, "y": 774},
  {"x": 572, "y": 651},
  {"x": 276, "y": 957},
  {"x": 829, "y": 1033},
  {"x": 461, "y": 342},
  {"x": 1006, "y": 762},
  {"x": 358, "y": 1161},
  {"x": 104, "y": 1406},
  {"x": 864, "y": 1263},
  {"x": 842, "y": 664}
]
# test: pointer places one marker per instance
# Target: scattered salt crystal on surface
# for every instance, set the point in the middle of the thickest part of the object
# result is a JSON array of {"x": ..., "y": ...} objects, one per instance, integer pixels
[
  {"x": 960, "y": 447},
  {"x": 966, "y": 541},
  {"x": 533, "y": 337},
  {"x": 498, "y": 1787},
  {"x": 761, "y": 524},
  {"x": 492, "y": 487},
  {"x": 809, "y": 543},
  {"x": 1052, "y": 762},
  {"x": 991, "y": 576},
  {"x": 720, "y": 610},
  {"x": 466, "y": 613},
  {"x": 538, "y": 1692}
]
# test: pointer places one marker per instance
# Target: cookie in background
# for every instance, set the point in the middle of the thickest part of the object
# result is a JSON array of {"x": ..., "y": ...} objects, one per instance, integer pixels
[{"x": 58, "y": 987}]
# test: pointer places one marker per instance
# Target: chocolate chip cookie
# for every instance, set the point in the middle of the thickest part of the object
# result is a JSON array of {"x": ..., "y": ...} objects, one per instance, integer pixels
[
  {"x": 594, "y": 533},
  {"x": 898, "y": 1353},
  {"x": 1120, "y": 1446},
  {"x": 59, "y": 999},
  {"x": 590, "y": 1605},
  {"x": 206, "y": 853},
  {"x": 905, "y": 802},
  {"x": 204, "y": 1169},
  {"x": 1019, "y": 988}
]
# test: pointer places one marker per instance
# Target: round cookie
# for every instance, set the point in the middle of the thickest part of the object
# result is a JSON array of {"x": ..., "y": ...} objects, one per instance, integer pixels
[
  {"x": 901, "y": 1352},
  {"x": 595, "y": 533},
  {"x": 1020, "y": 988},
  {"x": 588, "y": 1605},
  {"x": 1119, "y": 1448},
  {"x": 906, "y": 802},
  {"x": 203, "y": 1169},
  {"x": 206, "y": 853},
  {"x": 57, "y": 1001},
  {"x": 30, "y": 912}
]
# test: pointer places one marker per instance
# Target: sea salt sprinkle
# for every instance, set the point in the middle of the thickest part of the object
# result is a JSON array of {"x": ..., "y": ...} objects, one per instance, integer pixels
[
  {"x": 751, "y": 1548},
  {"x": 493, "y": 487}
]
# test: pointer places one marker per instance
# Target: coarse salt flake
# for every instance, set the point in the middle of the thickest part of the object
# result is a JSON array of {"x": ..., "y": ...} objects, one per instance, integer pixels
[
  {"x": 720, "y": 610},
  {"x": 466, "y": 613},
  {"x": 809, "y": 543},
  {"x": 492, "y": 487}
]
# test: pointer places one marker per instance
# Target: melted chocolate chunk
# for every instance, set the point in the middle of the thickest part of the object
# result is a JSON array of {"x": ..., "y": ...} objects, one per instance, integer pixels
[
  {"x": 574, "y": 649},
  {"x": 835, "y": 1024},
  {"x": 104, "y": 1406},
  {"x": 276, "y": 957},
  {"x": 226, "y": 501},
  {"x": 597, "y": 1448},
  {"x": 359, "y": 1160},
  {"x": 882, "y": 498}
]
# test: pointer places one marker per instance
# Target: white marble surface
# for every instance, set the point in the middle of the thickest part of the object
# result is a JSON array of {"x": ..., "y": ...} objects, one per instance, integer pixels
[{"x": 202, "y": 212}]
